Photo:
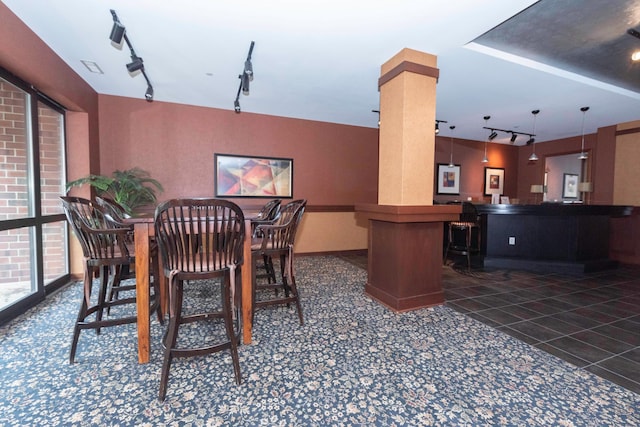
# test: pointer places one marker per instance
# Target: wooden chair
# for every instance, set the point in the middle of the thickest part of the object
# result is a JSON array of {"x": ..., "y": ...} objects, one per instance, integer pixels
[
  {"x": 200, "y": 239},
  {"x": 105, "y": 249},
  {"x": 277, "y": 240},
  {"x": 463, "y": 237},
  {"x": 267, "y": 215}
]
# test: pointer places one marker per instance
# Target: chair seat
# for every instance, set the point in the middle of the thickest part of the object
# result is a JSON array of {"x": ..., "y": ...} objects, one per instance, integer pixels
[{"x": 465, "y": 224}]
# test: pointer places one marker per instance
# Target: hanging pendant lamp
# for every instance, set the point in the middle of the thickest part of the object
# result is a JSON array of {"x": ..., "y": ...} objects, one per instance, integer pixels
[
  {"x": 583, "y": 154},
  {"x": 485, "y": 159},
  {"x": 533, "y": 157},
  {"x": 451, "y": 156}
]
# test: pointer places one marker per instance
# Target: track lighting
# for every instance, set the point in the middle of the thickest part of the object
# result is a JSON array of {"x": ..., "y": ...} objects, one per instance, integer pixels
[
  {"x": 438, "y": 125},
  {"x": 583, "y": 155},
  {"x": 492, "y": 135},
  {"x": 118, "y": 32},
  {"x": 533, "y": 157},
  {"x": 245, "y": 78},
  {"x": 513, "y": 138}
]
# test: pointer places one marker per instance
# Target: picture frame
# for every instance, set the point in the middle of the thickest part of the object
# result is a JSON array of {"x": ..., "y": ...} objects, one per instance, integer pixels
[
  {"x": 493, "y": 181},
  {"x": 448, "y": 179},
  {"x": 252, "y": 176},
  {"x": 570, "y": 186}
]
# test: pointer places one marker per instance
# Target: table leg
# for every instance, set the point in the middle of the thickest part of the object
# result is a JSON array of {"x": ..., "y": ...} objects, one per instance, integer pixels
[
  {"x": 247, "y": 292},
  {"x": 141, "y": 236}
]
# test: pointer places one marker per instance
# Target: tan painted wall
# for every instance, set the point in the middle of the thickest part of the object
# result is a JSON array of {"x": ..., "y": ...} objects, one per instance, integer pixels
[
  {"x": 330, "y": 231},
  {"x": 626, "y": 183}
]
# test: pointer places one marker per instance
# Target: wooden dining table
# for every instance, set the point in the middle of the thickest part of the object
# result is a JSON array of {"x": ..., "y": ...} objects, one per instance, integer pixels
[{"x": 143, "y": 226}]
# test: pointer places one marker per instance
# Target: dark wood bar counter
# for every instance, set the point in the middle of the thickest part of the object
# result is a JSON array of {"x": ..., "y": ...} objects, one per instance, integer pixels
[{"x": 553, "y": 237}]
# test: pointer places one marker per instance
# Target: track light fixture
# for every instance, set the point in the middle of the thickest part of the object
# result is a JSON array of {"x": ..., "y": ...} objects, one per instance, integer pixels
[
  {"x": 118, "y": 33},
  {"x": 438, "y": 125},
  {"x": 583, "y": 154},
  {"x": 533, "y": 157},
  {"x": 148, "y": 95},
  {"x": 635, "y": 56},
  {"x": 135, "y": 64},
  {"x": 513, "y": 138},
  {"x": 493, "y": 135},
  {"x": 378, "y": 112},
  {"x": 245, "y": 78}
]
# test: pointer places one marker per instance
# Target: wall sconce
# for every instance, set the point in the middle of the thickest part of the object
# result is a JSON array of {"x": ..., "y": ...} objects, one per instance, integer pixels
[
  {"x": 533, "y": 157},
  {"x": 583, "y": 155},
  {"x": 451, "y": 156},
  {"x": 118, "y": 33},
  {"x": 245, "y": 78}
]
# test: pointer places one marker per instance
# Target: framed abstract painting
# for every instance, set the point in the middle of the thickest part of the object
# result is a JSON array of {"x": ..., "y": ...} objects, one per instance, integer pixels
[{"x": 248, "y": 176}]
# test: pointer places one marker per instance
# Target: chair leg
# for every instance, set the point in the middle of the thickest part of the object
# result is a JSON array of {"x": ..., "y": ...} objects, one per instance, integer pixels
[
  {"x": 298, "y": 305},
  {"x": 171, "y": 336},
  {"x": 290, "y": 288},
  {"x": 102, "y": 292},
  {"x": 449, "y": 240},
  {"x": 82, "y": 314},
  {"x": 118, "y": 274},
  {"x": 157, "y": 282},
  {"x": 228, "y": 321}
]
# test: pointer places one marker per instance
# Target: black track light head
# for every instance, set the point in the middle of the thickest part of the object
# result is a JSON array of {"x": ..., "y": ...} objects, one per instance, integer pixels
[
  {"x": 135, "y": 64},
  {"x": 149, "y": 94}
]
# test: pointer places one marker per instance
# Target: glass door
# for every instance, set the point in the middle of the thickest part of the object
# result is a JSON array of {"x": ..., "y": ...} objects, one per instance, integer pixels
[{"x": 33, "y": 239}]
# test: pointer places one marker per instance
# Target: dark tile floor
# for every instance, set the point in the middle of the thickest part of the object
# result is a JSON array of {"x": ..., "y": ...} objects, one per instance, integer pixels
[{"x": 590, "y": 320}]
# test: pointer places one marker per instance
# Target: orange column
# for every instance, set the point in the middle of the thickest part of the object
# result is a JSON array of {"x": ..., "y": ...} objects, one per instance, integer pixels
[
  {"x": 407, "y": 123},
  {"x": 405, "y": 229}
]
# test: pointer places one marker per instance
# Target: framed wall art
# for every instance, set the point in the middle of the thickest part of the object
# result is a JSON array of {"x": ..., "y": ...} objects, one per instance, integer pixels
[
  {"x": 569, "y": 186},
  {"x": 448, "y": 179},
  {"x": 248, "y": 176},
  {"x": 493, "y": 181}
]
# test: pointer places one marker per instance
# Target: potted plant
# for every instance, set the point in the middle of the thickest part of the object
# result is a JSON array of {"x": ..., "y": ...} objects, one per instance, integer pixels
[{"x": 131, "y": 188}]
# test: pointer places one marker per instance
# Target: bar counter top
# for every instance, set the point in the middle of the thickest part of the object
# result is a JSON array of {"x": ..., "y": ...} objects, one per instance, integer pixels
[{"x": 561, "y": 209}]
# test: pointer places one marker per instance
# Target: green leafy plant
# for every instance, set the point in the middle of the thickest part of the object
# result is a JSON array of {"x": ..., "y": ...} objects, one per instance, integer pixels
[{"x": 131, "y": 188}]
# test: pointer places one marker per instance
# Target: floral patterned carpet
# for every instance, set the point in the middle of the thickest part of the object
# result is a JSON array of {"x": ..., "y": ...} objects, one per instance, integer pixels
[{"x": 353, "y": 363}]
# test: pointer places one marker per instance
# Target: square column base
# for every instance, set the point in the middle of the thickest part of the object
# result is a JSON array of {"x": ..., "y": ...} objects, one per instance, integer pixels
[{"x": 405, "y": 264}]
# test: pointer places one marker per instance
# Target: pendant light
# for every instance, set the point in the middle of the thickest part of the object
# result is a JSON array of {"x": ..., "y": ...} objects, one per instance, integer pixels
[
  {"x": 533, "y": 157},
  {"x": 583, "y": 155},
  {"x": 451, "y": 157},
  {"x": 485, "y": 159}
]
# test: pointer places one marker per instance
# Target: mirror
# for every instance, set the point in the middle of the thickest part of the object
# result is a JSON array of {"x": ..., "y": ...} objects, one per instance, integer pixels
[{"x": 559, "y": 177}]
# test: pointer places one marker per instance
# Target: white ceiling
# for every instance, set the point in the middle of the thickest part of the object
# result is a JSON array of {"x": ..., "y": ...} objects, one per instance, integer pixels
[{"x": 320, "y": 60}]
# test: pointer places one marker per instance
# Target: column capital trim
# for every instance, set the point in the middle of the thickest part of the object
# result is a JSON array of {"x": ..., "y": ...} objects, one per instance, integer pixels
[{"x": 411, "y": 67}]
